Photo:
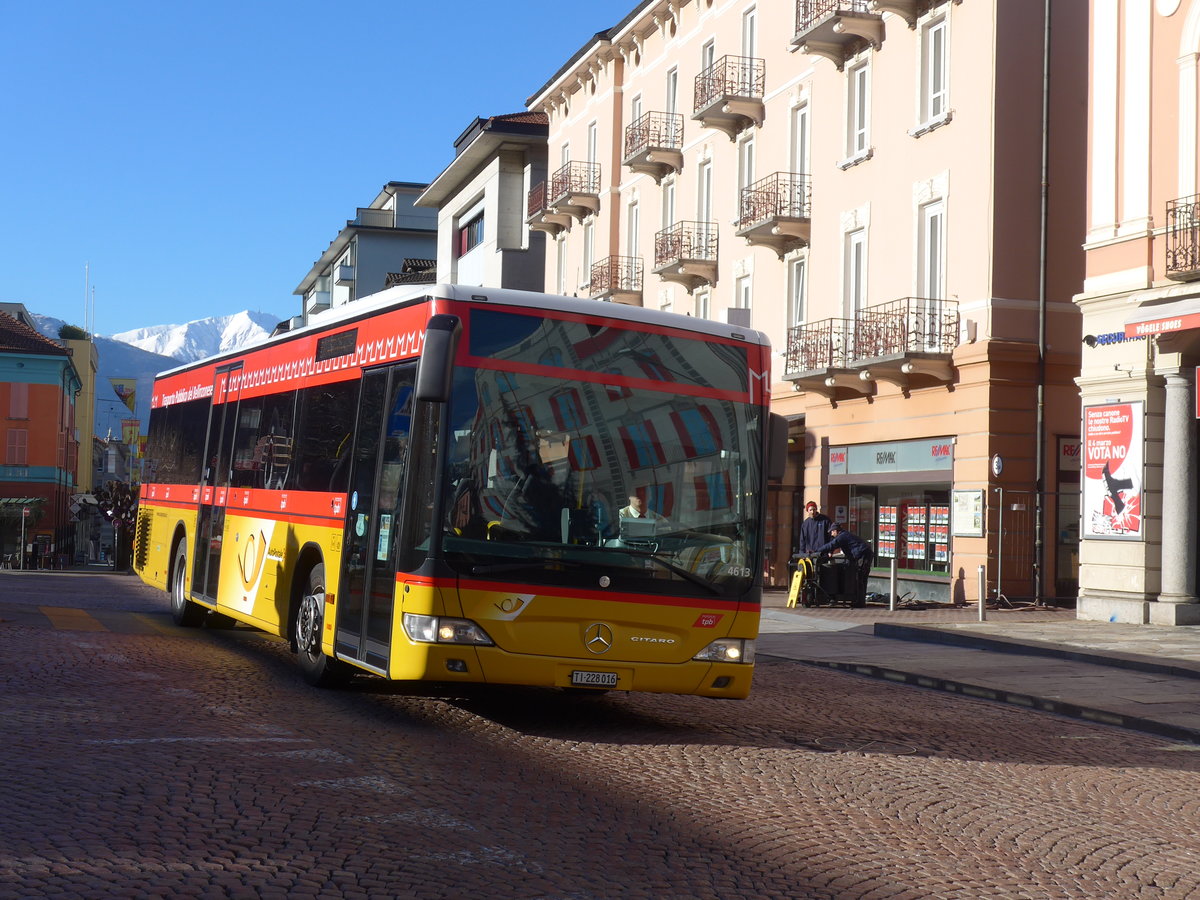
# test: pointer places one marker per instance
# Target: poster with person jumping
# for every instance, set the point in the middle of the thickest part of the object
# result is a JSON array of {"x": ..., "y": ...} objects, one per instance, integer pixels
[{"x": 1112, "y": 471}]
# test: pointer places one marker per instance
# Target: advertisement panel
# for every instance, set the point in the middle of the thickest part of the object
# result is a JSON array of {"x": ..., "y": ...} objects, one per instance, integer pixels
[{"x": 1113, "y": 437}]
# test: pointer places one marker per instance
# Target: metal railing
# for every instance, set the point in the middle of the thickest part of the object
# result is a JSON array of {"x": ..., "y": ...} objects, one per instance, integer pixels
[
  {"x": 1183, "y": 238},
  {"x": 686, "y": 240},
  {"x": 908, "y": 325},
  {"x": 782, "y": 195},
  {"x": 377, "y": 218},
  {"x": 654, "y": 129},
  {"x": 895, "y": 328},
  {"x": 825, "y": 344},
  {"x": 730, "y": 76},
  {"x": 536, "y": 202},
  {"x": 809, "y": 12},
  {"x": 574, "y": 178},
  {"x": 616, "y": 273}
]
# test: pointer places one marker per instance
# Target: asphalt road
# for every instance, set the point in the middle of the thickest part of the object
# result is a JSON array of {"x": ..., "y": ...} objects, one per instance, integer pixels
[{"x": 143, "y": 760}]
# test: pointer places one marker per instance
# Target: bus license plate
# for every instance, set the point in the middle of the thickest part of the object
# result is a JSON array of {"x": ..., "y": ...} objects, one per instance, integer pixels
[{"x": 594, "y": 679}]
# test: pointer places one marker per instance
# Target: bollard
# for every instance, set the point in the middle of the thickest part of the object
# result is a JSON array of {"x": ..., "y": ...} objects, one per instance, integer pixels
[
  {"x": 982, "y": 595},
  {"x": 892, "y": 588}
]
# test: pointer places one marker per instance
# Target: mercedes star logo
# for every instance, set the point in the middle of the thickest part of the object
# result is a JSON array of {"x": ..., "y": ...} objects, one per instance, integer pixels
[{"x": 598, "y": 638}]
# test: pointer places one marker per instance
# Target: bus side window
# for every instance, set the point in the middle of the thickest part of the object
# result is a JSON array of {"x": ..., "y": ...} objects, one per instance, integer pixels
[{"x": 325, "y": 422}]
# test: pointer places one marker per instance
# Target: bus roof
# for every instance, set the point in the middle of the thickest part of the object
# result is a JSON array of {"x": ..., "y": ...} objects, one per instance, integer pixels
[{"x": 404, "y": 294}]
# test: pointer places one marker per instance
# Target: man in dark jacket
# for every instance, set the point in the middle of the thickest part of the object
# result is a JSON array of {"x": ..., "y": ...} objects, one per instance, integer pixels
[
  {"x": 858, "y": 550},
  {"x": 814, "y": 530}
]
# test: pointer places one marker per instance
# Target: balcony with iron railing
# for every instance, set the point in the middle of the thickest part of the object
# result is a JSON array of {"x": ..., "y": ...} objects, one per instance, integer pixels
[
  {"x": 1183, "y": 238},
  {"x": 686, "y": 253},
  {"x": 575, "y": 190},
  {"x": 729, "y": 94},
  {"x": 619, "y": 279},
  {"x": 837, "y": 29},
  {"x": 776, "y": 212},
  {"x": 654, "y": 144},
  {"x": 908, "y": 342},
  {"x": 539, "y": 216}
]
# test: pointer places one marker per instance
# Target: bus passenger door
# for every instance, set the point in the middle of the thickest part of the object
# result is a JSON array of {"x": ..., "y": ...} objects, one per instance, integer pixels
[
  {"x": 214, "y": 483},
  {"x": 380, "y": 457}
]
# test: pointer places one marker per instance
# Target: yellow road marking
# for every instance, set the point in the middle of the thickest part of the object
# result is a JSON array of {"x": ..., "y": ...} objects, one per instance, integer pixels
[{"x": 70, "y": 619}]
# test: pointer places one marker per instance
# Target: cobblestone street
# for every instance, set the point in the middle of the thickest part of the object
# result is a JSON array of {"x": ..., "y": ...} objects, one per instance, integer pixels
[{"x": 144, "y": 761}]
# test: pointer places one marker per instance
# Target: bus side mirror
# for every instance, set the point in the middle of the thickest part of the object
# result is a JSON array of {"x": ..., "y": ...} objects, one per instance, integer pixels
[
  {"x": 436, "y": 369},
  {"x": 777, "y": 447}
]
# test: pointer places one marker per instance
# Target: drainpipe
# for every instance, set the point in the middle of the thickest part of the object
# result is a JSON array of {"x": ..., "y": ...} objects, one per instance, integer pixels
[{"x": 1039, "y": 527}]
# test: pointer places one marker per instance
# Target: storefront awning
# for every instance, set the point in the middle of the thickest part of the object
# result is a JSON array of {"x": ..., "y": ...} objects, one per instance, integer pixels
[{"x": 1180, "y": 315}]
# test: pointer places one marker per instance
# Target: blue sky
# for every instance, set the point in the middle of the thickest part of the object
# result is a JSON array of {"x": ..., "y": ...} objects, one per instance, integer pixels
[{"x": 199, "y": 157}]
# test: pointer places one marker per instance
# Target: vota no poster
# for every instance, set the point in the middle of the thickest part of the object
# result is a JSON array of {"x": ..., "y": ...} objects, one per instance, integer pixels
[{"x": 1112, "y": 470}]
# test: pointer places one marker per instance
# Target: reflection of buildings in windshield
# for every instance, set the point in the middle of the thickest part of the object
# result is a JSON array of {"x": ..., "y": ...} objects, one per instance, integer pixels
[{"x": 543, "y": 448}]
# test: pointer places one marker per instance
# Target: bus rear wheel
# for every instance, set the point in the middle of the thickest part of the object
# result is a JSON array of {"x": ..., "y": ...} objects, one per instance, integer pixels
[
  {"x": 184, "y": 612},
  {"x": 307, "y": 628}
]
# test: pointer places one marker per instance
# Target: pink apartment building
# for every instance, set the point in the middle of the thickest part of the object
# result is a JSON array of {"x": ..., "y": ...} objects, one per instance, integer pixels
[
  {"x": 1141, "y": 316},
  {"x": 863, "y": 181}
]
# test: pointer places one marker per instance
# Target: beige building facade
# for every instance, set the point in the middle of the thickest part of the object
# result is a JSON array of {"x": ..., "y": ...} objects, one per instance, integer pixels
[
  {"x": 1139, "y": 304},
  {"x": 894, "y": 194}
]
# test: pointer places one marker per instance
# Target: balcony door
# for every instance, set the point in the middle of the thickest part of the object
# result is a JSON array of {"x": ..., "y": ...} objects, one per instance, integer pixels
[{"x": 924, "y": 327}]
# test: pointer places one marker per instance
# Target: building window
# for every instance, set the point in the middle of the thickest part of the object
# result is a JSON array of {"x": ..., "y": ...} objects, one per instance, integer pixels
[
  {"x": 672, "y": 91},
  {"x": 746, "y": 161},
  {"x": 704, "y": 192},
  {"x": 18, "y": 400},
  {"x": 797, "y": 290},
  {"x": 592, "y": 141},
  {"x": 589, "y": 247},
  {"x": 931, "y": 275},
  {"x": 635, "y": 108},
  {"x": 855, "y": 278},
  {"x": 702, "y": 304},
  {"x": 470, "y": 235},
  {"x": 934, "y": 71},
  {"x": 17, "y": 453},
  {"x": 750, "y": 33},
  {"x": 668, "y": 201},
  {"x": 633, "y": 229},
  {"x": 708, "y": 55},
  {"x": 560, "y": 284},
  {"x": 800, "y": 148},
  {"x": 931, "y": 254},
  {"x": 858, "y": 110},
  {"x": 742, "y": 292}
]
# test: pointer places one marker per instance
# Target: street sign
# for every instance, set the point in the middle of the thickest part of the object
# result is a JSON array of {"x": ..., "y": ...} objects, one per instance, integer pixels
[{"x": 25, "y": 512}]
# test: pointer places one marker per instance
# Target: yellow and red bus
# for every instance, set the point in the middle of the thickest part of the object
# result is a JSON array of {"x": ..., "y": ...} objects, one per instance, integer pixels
[{"x": 435, "y": 485}]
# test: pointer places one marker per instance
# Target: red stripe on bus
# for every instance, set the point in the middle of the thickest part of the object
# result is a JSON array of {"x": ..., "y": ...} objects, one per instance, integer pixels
[{"x": 283, "y": 505}]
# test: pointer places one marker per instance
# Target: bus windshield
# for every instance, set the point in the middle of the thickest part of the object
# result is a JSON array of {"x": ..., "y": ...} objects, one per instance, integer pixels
[{"x": 582, "y": 450}]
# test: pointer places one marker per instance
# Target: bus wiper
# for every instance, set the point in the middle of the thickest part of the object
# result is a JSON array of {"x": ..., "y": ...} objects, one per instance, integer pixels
[
  {"x": 543, "y": 565},
  {"x": 666, "y": 564},
  {"x": 681, "y": 572}
]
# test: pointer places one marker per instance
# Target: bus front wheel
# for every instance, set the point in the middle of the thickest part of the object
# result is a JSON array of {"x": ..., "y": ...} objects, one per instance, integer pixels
[
  {"x": 184, "y": 612},
  {"x": 308, "y": 625}
]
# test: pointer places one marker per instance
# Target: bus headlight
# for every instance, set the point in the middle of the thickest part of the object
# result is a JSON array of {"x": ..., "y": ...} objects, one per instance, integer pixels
[
  {"x": 738, "y": 650},
  {"x": 442, "y": 630}
]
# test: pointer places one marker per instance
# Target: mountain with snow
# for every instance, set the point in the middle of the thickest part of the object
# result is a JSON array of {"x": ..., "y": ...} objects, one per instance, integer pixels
[
  {"x": 203, "y": 337},
  {"x": 143, "y": 353}
]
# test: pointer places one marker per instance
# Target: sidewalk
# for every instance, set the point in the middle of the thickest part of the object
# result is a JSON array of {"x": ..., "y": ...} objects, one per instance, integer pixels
[{"x": 1145, "y": 678}]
